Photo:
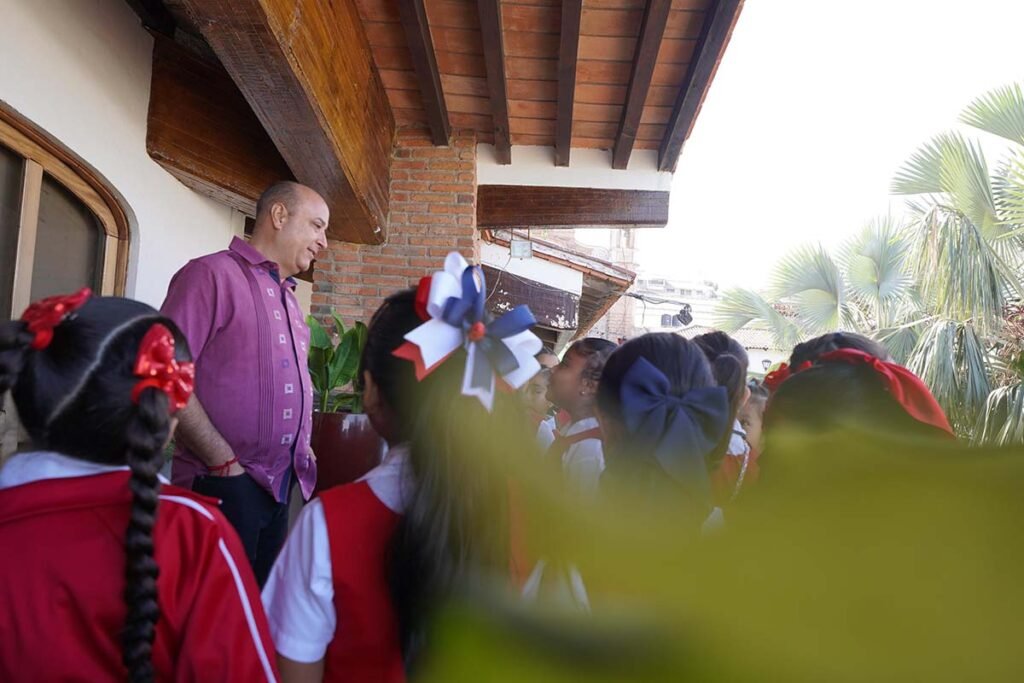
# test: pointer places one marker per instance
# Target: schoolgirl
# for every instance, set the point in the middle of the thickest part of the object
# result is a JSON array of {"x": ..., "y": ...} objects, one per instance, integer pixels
[
  {"x": 573, "y": 389},
  {"x": 738, "y": 467},
  {"x": 367, "y": 562},
  {"x": 853, "y": 390},
  {"x": 108, "y": 573},
  {"x": 664, "y": 419}
]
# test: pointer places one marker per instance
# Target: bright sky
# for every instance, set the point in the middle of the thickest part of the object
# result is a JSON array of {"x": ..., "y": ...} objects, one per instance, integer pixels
[{"x": 815, "y": 105}]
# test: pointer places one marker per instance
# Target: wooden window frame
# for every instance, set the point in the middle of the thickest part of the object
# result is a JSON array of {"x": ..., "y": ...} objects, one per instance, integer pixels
[{"x": 42, "y": 154}]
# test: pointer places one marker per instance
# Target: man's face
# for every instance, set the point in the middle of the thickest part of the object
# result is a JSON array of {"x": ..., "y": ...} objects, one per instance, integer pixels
[
  {"x": 301, "y": 232},
  {"x": 567, "y": 384}
]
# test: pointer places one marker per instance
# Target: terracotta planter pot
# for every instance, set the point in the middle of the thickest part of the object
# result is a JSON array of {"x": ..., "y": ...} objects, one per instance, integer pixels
[{"x": 346, "y": 447}]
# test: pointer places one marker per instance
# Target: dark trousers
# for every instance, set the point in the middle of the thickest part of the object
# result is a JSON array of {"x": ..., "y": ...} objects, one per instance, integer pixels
[{"x": 261, "y": 522}]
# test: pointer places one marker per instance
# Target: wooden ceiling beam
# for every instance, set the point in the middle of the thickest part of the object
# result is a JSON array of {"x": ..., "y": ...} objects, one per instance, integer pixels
[
  {"x": 494, "y": 60},
  {"x": 568, "y": 51},
  {"x": 526, "y": 206},
  {"x": 305, "y": 68},
  {"x": 424, "y": 60},
  {"x": 718, "y": 24},
  {"x": 652, "y": 30},
  {"x": 203, "y": 132}
]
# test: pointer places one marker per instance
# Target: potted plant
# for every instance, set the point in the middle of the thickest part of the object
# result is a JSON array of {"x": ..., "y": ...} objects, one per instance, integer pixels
[{"x": 343, "y": 439}]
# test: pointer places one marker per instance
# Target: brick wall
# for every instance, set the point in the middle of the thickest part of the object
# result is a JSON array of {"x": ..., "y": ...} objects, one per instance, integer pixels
[{"x": 433, "y": 211}]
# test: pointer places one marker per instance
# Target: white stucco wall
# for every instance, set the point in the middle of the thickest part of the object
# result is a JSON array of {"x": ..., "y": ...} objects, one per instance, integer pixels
[{"x": 80, "y": 70}]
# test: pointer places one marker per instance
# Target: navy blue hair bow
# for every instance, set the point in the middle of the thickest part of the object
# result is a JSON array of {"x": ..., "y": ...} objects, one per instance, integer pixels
[{"x": 682, "y": 430}]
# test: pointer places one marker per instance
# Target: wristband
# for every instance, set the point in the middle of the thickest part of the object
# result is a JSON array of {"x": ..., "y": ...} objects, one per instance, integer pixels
[{"x": 223, "y": 467}]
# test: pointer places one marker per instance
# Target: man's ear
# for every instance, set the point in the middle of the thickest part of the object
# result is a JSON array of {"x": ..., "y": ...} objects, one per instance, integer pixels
[{"x": 278, "y": 215}]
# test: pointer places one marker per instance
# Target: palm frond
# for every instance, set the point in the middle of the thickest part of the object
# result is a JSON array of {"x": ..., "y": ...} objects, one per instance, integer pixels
[
  {"x": 901, "y": 339},
  {"x": 950, "y": 358},
  {"x": 960, "y": 275},
  {"x": 1002, "y": 420},
  {"x": 740, "y": 307},
  {"x": 951, "y": 165},
  {"x": 875, "y": 264},
  {"x": 1000, "y": 112},
  {"x": 1009, "y": 193},
  {"x": 810, "y": 279}
]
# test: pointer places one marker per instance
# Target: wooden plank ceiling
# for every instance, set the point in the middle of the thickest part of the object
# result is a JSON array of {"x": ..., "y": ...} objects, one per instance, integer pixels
[{"x": 613, "y": 67}]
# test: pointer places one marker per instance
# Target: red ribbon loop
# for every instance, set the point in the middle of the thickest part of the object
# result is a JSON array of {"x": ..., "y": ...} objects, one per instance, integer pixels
[
  {"x": 158, "y": 369},
  {"x": 46, "y": 314}
]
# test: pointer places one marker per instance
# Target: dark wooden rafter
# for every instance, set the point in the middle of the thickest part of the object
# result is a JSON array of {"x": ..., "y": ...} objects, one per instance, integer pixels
[
  {"x": 512, "y": 206},
  {"x": 306, "y": 70},
  {"x": 494, "y": 58},
  {"x": 421, "y": 49},
  {"x": 718, "y": 26},
  {"x": 651, "y": 32},
  {"x": 568, "y": 51},
  {"x": 203, "y": 132}
]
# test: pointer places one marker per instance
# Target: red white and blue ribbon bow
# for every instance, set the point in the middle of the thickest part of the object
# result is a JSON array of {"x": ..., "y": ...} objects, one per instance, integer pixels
[{"x": 503, "y": 347}]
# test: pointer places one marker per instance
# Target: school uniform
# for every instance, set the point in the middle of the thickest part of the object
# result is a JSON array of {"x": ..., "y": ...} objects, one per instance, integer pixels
[
  {"x": 62, "y": 580},
  {"x": 578, "y": 446},
  {"x": 738, "y": 468},
  {"x": 328, "y": 595}
]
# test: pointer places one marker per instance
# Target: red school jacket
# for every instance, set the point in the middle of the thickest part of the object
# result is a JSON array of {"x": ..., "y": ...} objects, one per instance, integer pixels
[{"x": 62, "y": 579}]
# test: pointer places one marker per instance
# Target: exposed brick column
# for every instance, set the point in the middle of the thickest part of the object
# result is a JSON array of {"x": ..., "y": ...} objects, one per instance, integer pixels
[{"x": 433, "y": 211}]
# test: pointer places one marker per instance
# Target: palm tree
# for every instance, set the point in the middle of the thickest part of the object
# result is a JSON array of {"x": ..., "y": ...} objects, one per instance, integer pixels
[{"x": 935, "y": 288}]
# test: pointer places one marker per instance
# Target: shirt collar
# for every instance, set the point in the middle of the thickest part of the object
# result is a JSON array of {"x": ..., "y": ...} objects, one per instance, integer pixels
[
  {"x": 581, "y": 426},
  {"x": 256, "y": 258},
  {"x": 26, "y": 468}
]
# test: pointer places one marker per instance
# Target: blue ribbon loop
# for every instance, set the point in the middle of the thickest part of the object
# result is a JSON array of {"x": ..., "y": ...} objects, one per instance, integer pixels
[
  {"x": 465, "y": 311},
  {"x": 683, "y": 430}
]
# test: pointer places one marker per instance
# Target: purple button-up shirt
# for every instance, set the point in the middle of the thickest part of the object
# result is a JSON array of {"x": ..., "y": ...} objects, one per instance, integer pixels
[{"x": 249, "y": 341}]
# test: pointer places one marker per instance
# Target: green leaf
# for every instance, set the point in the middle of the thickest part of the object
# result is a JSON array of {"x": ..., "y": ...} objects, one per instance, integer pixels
[
  {"x": 1000, "y": 112},
  {"x": 339, "y": 373},
  {"x": 339, "y": 325},
  {"x": 318, "y": 337}
]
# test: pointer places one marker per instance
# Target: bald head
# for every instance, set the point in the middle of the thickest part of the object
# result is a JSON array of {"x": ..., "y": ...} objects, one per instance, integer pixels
[
  {"x": 285, "y": 192},
  {"x": 291, "y": 226}
]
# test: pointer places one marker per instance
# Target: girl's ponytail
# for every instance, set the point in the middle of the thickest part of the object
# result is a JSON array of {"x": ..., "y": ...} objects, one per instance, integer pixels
[{"x": 147, "y": 432}]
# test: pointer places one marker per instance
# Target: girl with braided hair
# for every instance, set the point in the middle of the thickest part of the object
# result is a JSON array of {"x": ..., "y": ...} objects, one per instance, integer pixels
[{"x": 116, "y": 575}]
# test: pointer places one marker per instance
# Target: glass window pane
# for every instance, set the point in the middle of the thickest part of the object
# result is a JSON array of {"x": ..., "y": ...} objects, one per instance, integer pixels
[
  {"x": 69, "y": 244},
  {"x": 10, "y": 199}
]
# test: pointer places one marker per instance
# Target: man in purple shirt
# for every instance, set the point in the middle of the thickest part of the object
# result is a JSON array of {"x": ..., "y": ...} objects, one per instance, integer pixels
[{"x": 244, "y": 437}]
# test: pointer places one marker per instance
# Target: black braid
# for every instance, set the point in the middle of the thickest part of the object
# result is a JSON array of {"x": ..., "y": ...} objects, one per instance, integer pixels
[{"x": 145, "y": 436}]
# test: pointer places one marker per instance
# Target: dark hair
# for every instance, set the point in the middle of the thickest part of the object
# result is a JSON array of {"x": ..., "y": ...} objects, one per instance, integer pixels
[
  {"x": 729, "y": 363},
  {"x": 454, "y": 525},
  {"x": 284, "y": 192},
  {"x": 596, "y": 352},
  {"x": 830, "y": 396},
  {"x": 810, "y": 350},
  {"x": 758, "y": 391},
  {"x": 686, "y": 368},
  {"x": 75, "y": 398}
]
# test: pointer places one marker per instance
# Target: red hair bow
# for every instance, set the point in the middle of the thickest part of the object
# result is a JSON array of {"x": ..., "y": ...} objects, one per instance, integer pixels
[
  {"x": 44, "y": 315},
  {"x": 159, "y": 370},
  {"x": 908, "y": 390},
  {"x": 776, "y": 377}
]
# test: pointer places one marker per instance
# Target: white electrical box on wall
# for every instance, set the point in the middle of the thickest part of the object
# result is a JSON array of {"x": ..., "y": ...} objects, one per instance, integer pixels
[{"x": 520, "y": 248}]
